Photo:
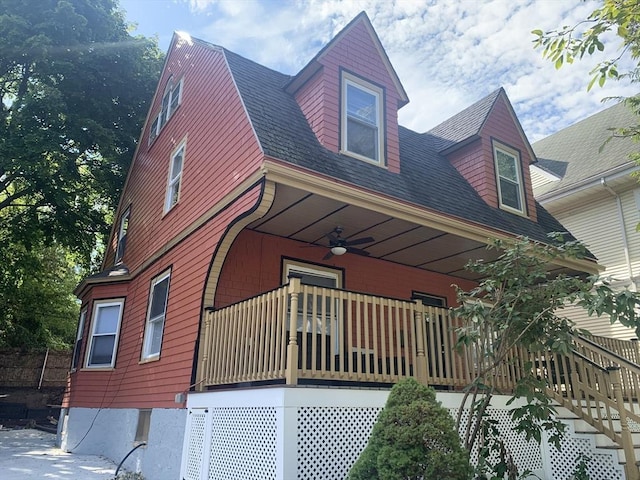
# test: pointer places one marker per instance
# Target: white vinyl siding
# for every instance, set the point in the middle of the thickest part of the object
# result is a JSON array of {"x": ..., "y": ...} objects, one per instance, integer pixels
[
  {"x": 156, "y": 316},
  {"x": 105, "y": 329}
]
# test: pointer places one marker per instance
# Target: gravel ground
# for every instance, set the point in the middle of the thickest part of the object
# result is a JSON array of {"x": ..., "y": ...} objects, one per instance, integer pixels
[{"x": 26, "y": 453}]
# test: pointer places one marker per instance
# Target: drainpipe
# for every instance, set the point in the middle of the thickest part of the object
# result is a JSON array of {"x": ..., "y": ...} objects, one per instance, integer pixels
[{"x": 623, "y": 229}]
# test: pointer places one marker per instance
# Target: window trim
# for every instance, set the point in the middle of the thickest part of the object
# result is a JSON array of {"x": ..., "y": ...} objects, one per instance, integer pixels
[
  {"x": 168, "y": 206},
  {"x": 379, "y": 94},
  {"x": 166, "y": 111},
  {"x": 122, "y": 235},
  {"x": 422, "y": 296},
  {"x": 77, "y": 346},
  {"x": 515, "y": 154},
  {"x": 97, "y": 305},
  {"x": 145, "y": 354}
]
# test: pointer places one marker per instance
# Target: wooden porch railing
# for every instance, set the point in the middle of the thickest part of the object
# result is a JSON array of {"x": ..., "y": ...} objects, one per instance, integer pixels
[
  {"x": 314, "y": 334},
  {"x": 301, "y": 332}
]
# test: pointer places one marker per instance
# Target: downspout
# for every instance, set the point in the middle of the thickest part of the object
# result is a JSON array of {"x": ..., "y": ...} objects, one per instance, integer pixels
[{"x": 623, "y": 228}]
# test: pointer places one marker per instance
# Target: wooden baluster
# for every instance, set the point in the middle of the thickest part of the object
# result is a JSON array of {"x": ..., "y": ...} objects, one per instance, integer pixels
[
  {"x": 292, "y": 347},
  {"x": 421, "y": 359},
  {"x": 630, "y": 467}
]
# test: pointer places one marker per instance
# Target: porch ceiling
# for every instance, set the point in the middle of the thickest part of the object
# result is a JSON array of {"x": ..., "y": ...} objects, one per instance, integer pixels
[{"x": 306, "y": 217}]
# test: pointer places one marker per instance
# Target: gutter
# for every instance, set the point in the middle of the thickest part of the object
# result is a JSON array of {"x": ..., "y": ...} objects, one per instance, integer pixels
[{"x": 623, "y": 227}]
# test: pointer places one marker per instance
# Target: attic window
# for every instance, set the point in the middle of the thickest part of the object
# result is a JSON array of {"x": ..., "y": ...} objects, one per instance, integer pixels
[
  {"x": 175, "y": 177},
  {"x": 361, "y": 119},
  {"x": 122, "y": 235},
  {"x": 171, "y": 99},
  {"x": 509, "y": 178}
]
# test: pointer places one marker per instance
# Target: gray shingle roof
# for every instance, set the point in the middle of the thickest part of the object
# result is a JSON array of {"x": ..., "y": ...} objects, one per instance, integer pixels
[
  {"x": 426, "y": 178},
  {"x": 465, "y": 124},
  {"x": 574, "y": 152}
]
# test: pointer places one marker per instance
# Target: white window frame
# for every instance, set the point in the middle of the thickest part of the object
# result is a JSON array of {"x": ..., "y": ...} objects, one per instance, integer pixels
[
  {"x": 378, "y": 94},
  {"x": 122, "y": 235},
  {"x": 168, "y": 106},
  {"x": 97, "y": 306},
  {"x": 515, "y": 155},
  {"x": 156, "y": 322},
  {"x": 75, "y": 360},
  {"x": 175, "y": 182}
]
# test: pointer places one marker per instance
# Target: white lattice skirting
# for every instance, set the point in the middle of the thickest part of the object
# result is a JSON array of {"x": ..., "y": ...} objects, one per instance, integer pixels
[{"x": 318, "y": 433}]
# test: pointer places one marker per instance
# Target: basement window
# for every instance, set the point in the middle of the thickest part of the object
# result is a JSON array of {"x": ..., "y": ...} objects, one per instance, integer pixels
[{"x": 144, "y": 424}]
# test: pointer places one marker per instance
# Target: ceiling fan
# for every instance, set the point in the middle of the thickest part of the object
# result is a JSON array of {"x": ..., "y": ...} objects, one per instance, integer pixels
[{"x": 340, "y": 246}]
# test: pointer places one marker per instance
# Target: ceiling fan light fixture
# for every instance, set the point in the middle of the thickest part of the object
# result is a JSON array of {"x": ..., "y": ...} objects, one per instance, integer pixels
[{"x": 338, "y": 250}]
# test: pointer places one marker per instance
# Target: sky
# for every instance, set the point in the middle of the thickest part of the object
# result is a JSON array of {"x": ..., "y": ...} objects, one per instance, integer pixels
[{"x": 448, "y": 54}]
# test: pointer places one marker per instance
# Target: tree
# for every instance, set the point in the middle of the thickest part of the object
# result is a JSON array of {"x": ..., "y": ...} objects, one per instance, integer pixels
[
  {"x": 518, "y": 304},
  {"x": 74, "y": 89},
  {"x": 620, "y": 17},
  {"x": 37, "y": 306},
  {"x": 413, "y": 439}
]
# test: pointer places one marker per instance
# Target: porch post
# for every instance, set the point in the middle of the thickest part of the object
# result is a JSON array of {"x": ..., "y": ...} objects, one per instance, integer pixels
[
  {"x": 421, "y": 360},
  {"x": 631, "y": 471},
  {"x": 292, "y": 347}
]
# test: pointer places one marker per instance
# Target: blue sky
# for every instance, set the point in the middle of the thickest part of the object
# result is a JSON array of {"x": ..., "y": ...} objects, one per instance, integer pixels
[{"x": 447, "y": 53}]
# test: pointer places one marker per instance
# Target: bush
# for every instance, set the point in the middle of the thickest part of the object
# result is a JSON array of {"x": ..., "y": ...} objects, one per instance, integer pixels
[{"x": 413, "y": 439}]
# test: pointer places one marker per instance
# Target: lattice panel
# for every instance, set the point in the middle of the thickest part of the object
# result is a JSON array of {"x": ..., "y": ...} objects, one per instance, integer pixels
[
  {"x": 243, "y": 443},
  {"x": 526, "y": 455},
  {"x": 196, "y": 431},
  {"x": 602, "y": 466},
  {"x": 330, "y": 440}
]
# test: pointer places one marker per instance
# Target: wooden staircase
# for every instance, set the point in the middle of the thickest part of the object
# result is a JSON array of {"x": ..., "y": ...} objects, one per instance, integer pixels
[{"x": 599, "y": 383}]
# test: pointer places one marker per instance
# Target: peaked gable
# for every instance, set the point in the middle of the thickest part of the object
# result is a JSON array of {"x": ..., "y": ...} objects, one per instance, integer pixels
[
  {"x": 469, "y": 140},
  {"x": 356, "y": 53}
]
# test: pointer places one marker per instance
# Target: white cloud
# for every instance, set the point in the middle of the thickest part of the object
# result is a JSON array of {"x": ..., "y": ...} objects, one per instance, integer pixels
[{"x": 447, "y": 54}]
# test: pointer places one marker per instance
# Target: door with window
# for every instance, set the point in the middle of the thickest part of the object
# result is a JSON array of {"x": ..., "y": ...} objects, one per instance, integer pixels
[{"x": 318, "y": 315}]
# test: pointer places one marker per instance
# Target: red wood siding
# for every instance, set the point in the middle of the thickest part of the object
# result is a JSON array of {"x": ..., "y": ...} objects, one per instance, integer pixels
[
  {"x": 254, "y": 265},
  {"x": 132, "y": 384},
  {"x": 319, "y": 98},
  {"x": 476, "y": 164},
  {"x": 221, "y": 151}
]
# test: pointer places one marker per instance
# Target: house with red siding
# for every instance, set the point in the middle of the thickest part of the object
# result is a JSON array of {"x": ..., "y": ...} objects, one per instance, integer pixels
[{"x": 283, "y": 252}]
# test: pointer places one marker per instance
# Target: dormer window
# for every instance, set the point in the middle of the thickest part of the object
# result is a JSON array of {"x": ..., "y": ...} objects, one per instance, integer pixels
[
  {"x": 361, "y": 119},
  {"x": 171, "y": 99},
  {"x": 509, "y": 178}
]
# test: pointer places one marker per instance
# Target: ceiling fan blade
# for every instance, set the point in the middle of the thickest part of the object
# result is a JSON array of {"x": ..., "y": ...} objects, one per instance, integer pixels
[
  {"x": 328, "y": 255},
  {"x": 359, "y": 241},
  {"x": 358, "y": 251}
]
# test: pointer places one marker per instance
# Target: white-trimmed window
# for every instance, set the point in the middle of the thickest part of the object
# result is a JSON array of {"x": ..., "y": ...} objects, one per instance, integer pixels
[
  {"x": 122, "y": 235},
  {"x": 105, "y": 330},
  {"x": 155, "y": 316},
  {"x": 509, "y": 178},
  {"x": 362, "y": 134},
  {"x": 75, "y": 360},
  {"x": 175, "y": 177},
  {"x": 171, "y": 100}
]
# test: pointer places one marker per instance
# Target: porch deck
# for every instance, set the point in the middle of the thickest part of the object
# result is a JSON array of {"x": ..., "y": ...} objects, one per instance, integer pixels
[{"x": 338, "y": 336}]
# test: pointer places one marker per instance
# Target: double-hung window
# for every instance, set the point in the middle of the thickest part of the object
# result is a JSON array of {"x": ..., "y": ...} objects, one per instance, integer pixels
[
  {"x": 156, "y": 316},
  {"x": 509, "y": 178},
  {"x": 75, "y": 360},
  {"x": 171, "y": 100},
  {"x": 362, "y": 134},
  {"x": 122, "y": 235},
  {"x": 175, "y": 177},
  {"x": 105, "y": 329}
]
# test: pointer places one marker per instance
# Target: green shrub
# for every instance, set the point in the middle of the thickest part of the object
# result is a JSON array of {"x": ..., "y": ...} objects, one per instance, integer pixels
[{"x": 413, "y": 439}]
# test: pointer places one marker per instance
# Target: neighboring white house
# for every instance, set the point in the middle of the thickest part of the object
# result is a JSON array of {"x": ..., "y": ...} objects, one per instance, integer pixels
[{"x": 586, "y": 183}]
